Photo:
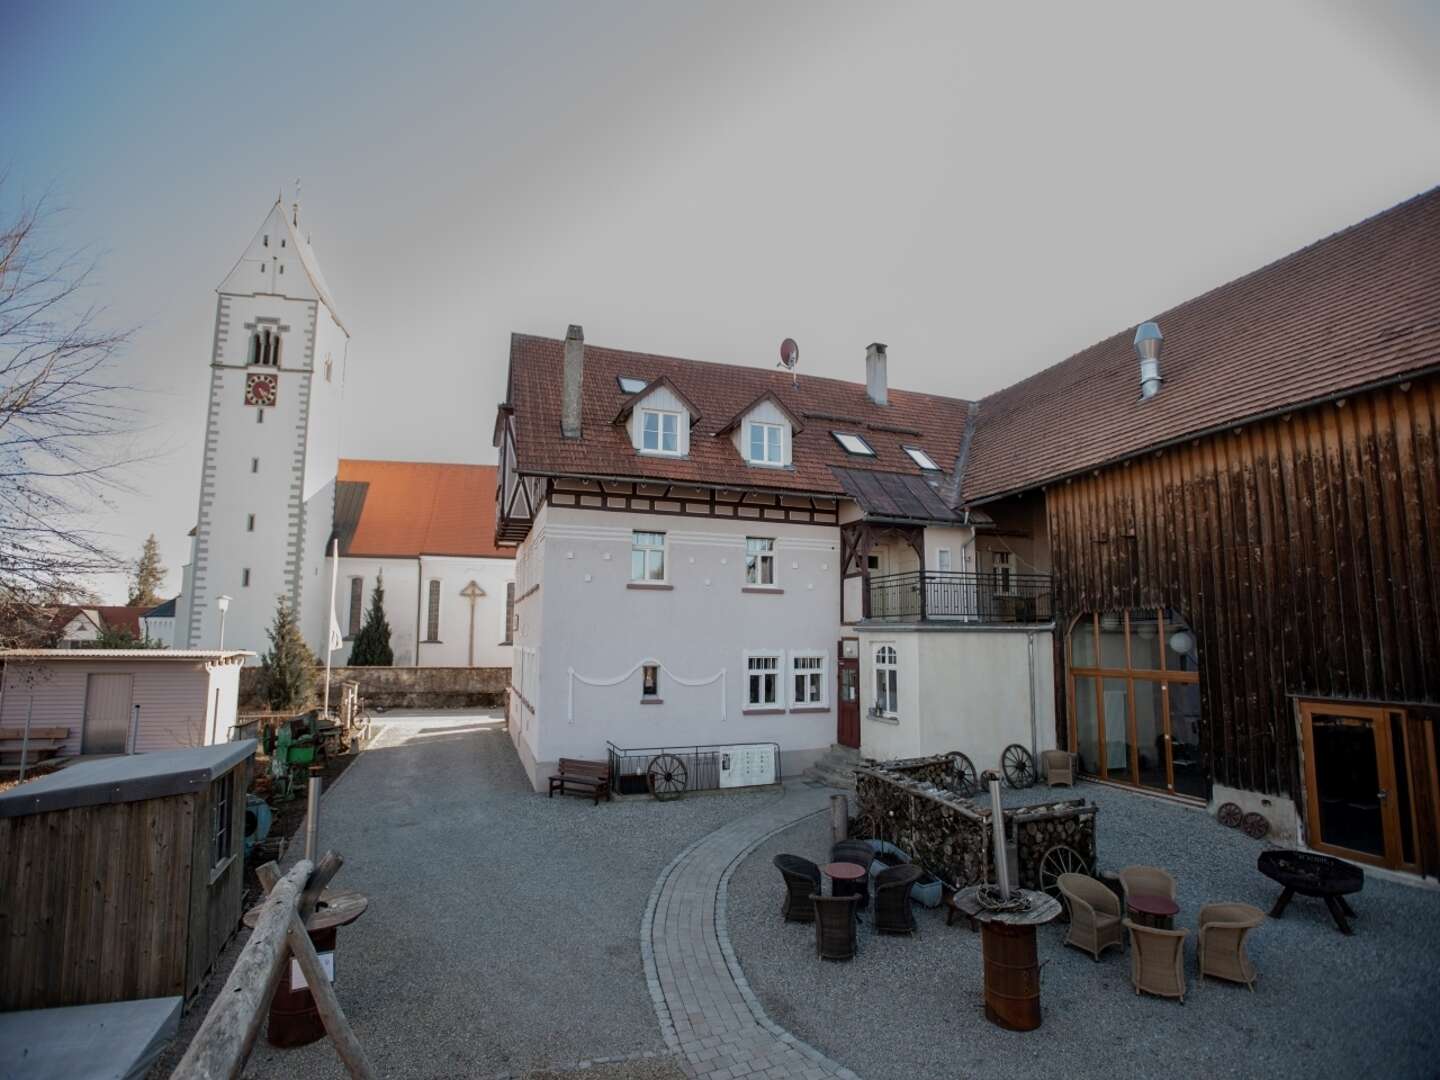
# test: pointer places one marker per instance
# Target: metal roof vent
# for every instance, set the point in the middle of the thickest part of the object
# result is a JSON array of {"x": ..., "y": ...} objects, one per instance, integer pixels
[{"x": 1148, "y": 341}]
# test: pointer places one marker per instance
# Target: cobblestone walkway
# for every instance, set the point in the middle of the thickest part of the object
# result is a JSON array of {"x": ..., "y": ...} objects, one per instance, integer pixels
[{"x": 707, "y": 1011}]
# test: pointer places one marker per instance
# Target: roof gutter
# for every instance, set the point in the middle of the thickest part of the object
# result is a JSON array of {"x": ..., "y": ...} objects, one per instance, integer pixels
[{"x": 550, "y": 475}]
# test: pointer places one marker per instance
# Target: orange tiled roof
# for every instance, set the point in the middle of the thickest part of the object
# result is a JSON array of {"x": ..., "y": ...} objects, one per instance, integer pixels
[{"x": 400, "y": 509}]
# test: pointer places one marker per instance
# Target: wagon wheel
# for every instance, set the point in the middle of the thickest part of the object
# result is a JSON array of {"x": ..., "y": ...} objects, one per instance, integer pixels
[
  {"x": 667, "y": 776},
  {"x": 1060, "y": 859},
  {"x": 1018, "y": 766},
  {"x": 965, "y": 776},
  {"x": 1229, "y": 815},
  {"x": 1254, "y": 826}
]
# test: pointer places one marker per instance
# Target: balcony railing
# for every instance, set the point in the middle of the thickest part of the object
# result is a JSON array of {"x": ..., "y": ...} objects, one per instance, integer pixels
[{"x": 962, "y": 596}]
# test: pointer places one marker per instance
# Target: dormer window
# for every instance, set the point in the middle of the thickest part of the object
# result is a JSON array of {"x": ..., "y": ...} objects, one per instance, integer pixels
[
  {"x": 921, "y": 458},
  {"x": 767, "y": 444},
  {"x": 853, "y": 444},
  {"x": 629, "y": 385},
  {"x": 659, "y": 432}
]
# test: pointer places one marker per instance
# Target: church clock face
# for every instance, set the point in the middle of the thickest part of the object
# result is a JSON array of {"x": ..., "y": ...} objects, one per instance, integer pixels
[{"x": 260, "y": 388}]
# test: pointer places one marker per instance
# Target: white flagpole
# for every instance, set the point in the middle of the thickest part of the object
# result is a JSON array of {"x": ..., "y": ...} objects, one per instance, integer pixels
[{"x": 334, "y": 574}]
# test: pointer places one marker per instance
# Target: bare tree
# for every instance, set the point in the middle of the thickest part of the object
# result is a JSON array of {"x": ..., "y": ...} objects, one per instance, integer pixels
[{"x": 61, "y": 418}]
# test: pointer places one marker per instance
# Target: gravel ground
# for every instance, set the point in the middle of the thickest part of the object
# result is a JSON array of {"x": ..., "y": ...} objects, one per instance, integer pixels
[
  {"x": 503, "y": 928},
  {"x": 1325, "y": 1005}
]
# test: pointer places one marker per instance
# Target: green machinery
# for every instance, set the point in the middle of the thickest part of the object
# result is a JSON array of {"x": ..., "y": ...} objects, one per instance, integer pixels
[{"x": 291, "y": 756}]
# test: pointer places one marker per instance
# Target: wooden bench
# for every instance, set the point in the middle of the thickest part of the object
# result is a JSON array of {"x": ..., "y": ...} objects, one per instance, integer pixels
[
  {"x": 577, "y": 776},
  {"x": 44, "y": 744}
]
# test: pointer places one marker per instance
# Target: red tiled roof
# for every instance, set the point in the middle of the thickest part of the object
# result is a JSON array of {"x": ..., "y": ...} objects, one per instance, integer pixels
[
  {"x": 112, "y": 617},
  {"x": 1357, "y": 308},
  {"x": 718, "y": 391},
  {"x": 400, "y": 509}
]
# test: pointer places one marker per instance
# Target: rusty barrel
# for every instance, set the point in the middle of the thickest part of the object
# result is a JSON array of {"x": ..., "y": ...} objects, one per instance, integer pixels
[
  {"x": 1012, "y": 976},
  {"x": 294, "y": 1017}
]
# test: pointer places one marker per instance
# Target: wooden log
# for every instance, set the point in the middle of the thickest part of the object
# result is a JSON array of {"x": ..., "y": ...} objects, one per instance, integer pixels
[
  {"x": 225, "y": 1039},
  {"x": 325, "y": 869},
  {"x": 326, "y": 1003}
]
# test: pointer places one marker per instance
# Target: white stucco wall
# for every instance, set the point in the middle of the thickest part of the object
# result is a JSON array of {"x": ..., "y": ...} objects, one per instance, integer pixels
[
  {"x": 586, "y": 619},
  {"x": 962, "y": 688}
]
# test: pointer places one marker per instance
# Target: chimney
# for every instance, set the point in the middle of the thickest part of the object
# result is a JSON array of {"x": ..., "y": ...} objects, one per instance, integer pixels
[
  {"x": 875, "y": 374},
  {"x": 1148, "y": 340},
  {"x": 574, "y": 376}
]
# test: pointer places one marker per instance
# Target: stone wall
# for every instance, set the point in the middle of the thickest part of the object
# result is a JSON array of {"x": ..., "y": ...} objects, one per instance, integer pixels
[{"x": 406, "y": 687}]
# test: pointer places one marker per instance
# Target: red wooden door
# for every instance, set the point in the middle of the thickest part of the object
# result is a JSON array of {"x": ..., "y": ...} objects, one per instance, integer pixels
[{"x": 848, "y": 695}]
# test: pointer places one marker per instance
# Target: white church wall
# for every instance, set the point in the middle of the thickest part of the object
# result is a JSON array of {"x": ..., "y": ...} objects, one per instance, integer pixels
[
  {"x": 402, "y": 578},
  {"x": 453, "y": 647},
  {"x": 322, "y": 462}
]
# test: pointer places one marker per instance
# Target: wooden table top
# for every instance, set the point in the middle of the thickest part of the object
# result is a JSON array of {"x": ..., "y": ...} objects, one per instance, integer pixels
[
  {"x": 339, "y": 907},
  {"x": 845, "y": 871},
  {"x": 1151, "y": 904},
  {"x": 1042, "y": 908}
]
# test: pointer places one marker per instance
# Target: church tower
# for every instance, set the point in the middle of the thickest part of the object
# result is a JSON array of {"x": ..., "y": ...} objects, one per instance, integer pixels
[{"x": 272, "y": 444}]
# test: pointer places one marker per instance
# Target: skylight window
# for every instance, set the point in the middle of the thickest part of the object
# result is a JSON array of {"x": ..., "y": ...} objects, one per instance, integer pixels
[
  {"x": 853, "y": 444},
  {"x": 631, "y": 386},
  {"x": 921, "y": 458}
]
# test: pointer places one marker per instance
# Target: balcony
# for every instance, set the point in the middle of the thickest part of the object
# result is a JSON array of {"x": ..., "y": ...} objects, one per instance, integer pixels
[{"x": 931, "y": 595}]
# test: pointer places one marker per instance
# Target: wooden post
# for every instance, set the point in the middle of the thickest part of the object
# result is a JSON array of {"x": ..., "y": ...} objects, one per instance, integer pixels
[
  {"x": 336, "y": 1026},
  {"x": 839, "y": 818}
]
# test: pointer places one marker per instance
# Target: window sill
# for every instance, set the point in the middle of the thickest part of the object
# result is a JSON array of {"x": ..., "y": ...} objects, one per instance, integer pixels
[
  {"x": 768, "y": 464},
  {"x": 773, "y": 590},
  {"x": 883, "y": 718},
  {"x": 219, "y": 869},
  {"x": 657, "y": 585},
  {"x": 662, "y": 453},
  {"x": 652, "y": 701},
  {"x": 810, "y": 709},
  {"x": 432, "y": 641},
  {"x": 762, "y": 711}
]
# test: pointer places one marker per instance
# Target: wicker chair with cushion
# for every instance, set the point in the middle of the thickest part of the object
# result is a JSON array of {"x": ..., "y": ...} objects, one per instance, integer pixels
[
  {"x": 892, "y": 899},
  {"x": 1059, "y": 767},
  {"x": 861, "y": 853},
  {"x": 1095, "y": 915},
  {"x": 1221, "y": 947},
  {"x": 835, "y": 926},
  {"x": 1146, "y": 881},
  {"x": 802, "y": 878},
  {"x": 1157, "y": 960}
]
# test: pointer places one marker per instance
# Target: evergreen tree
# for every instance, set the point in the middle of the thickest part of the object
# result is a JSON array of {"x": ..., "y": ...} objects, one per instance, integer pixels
[
  {"x": 371, "y": 647},
  {"x": 288, "y": 669},
  {"x": 149, "y": 576}
]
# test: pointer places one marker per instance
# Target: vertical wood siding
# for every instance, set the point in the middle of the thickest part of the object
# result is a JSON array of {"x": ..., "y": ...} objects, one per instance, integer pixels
[{"x": 1304, "y": 551}]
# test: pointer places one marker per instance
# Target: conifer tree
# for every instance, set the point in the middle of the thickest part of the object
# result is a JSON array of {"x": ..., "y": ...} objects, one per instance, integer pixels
[
  {"x": 288, "y": 669},
  {"x": 149, "y": 576},
  {"x": 371, "y": 647}
]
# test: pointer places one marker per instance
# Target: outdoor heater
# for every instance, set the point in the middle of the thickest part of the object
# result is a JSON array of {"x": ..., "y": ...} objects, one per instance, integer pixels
[{"x": 1007, "y": 916}]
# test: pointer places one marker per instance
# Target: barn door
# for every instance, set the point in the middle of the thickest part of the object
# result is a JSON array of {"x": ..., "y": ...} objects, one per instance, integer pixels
[{"x": 107, "y": 714}]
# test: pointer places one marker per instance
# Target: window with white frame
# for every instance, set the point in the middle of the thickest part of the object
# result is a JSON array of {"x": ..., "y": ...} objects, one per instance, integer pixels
[
  {"x": 853, "y": 444},
  {"x": 659, "y": 432},
  {"x": 647, "y": 556},
  {"x": 887, "y": 681},
  {"x": 767, "y": 444},
  {"x": 759, "y": 560},
  {"x": 762, "y": 684},
  {"x": 432, "y": 614},
  {"x": 921, "y": 458},
  {"x": 808, "y": 679},
  {"x": 1002, "y": 566},
  {"x": 942, "y": 560}
]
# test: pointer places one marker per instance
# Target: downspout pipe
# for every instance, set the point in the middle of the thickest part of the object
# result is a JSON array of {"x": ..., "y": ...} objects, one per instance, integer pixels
[
  {"x": 419, "y": 595},
  {"x": 1034, "y": 721}
]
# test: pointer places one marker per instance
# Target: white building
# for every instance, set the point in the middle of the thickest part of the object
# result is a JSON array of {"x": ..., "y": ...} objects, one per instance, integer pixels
[
  {"x": 268, "y": 512},
  {"x": 717, "y": 554}
]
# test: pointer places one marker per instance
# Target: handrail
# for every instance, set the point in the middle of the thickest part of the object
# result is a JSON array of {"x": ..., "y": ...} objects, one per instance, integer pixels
[{"x": 984, "y": 596}]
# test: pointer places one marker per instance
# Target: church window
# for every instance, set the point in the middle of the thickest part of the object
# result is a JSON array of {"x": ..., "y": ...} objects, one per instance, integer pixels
[
  {"x": 357, "y": 589},
  {"x": 245, "y": 577},
  {"x": 266, "y": 241},
  {"x": 328, "y": 365},
  {"x": 275, "y": 354},
  {"x": 282, "y": 268},
  {"x": 259, "y": 416},
  {"x": 432, "y": 620},
  {"x": 254, "y": 464},
  {"x": 249, "y": 522},
  {"x": 282, "y": 241}
]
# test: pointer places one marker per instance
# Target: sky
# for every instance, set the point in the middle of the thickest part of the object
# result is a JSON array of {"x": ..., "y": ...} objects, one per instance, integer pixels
[{"x": 986, "y": 189}]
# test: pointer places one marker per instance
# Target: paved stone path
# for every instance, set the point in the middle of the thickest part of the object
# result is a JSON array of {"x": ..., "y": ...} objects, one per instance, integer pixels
[{"x": 707, "y": 1011}]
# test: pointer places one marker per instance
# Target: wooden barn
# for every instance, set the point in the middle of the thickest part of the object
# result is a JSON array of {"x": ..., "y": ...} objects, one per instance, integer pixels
[
  {"x": 1242, "y": 502},
  {"x": 123, "y": 876}
]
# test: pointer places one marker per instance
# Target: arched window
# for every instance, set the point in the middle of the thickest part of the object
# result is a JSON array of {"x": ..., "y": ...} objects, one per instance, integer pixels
[
  {"x": 275, "y": 355},
  {"x": 887, "y": 681},
  {"x": 256, "y": 348},
  {"x": 1135, "y": 699},
  {"x": 269, "y": 345}
]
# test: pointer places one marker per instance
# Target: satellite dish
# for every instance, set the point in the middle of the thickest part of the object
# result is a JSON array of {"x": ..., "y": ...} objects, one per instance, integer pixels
[{"x": 789, "y": 354}]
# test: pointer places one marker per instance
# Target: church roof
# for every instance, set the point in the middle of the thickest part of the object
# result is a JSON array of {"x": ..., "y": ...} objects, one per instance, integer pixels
[
  {"x": 280, "y": 222},
  {"x": 403, "y": 509}
]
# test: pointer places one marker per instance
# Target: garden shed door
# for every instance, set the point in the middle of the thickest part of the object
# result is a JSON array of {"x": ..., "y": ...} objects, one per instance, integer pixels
[{"x": 107, "y": 714}]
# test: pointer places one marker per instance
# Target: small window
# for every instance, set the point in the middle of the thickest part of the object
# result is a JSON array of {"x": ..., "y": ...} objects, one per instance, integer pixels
[
  {"x": 629, "y": 385},
  {"x": 647, "y": 556},
  {"x": 282, "y": 268},
  {"x": 887, "y": 681},
  {"x": 249, "y": 522},
  {"x": 509, "y": 613},
  {"x": 659, "y": 432},
  {"x": 808, "y": 680},
  {"x": 942, "y": 560},
  {"x": 357, "y": 595},
  {"x": 266, "y": 241},
  {"x": 763, "y": 684},
  {"x": 282, "y": 241},
  {"x": 432, "y": 615},
  {"x": 921, "y": 458},
  {"x": 257, "y": 347},
  {"x": 759, "y": 560},
  {"x": 766, "y": 444},
  {"x": 853, "y": 444},
  {"x": 222, "y": 836},
  {"x": 254, "y": 464},
  {"x": 650, "y": 680},
  {"x": 259, "y": 416},
  {"x": 872, "y": 562},
  {"x": 245, "y": 577},
  {"x": 328, "y": 365},
  {"x": 1001, "y": 567}
]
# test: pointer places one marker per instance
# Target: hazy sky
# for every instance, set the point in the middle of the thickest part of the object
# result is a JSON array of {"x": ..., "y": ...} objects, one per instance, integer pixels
[{"x": 985, "y": 190}]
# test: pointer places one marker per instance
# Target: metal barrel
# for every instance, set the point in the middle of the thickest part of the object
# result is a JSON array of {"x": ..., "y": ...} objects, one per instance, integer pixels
[
  {"x": 1012, "y": 976},
  {"x": 294, "y": 1017}
]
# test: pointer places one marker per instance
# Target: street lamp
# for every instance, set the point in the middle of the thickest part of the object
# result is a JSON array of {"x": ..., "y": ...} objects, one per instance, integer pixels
[{"x": 223, "y": 603}]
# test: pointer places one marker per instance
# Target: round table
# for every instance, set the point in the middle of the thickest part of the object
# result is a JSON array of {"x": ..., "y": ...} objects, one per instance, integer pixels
[
  {"x": 1148, "y": 909},
  {"x": 1312, "y": 874},
  {"x": 848, "y": 879}
]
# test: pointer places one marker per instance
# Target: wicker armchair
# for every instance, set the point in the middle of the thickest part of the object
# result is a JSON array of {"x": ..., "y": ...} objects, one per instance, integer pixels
[
  {"x": 835, "y": 937},
  {"x": 802, "y": 878},
  {"x": 861, "y": 853},
  {"x": 1095, "y": 915},
  {"x": 1221, "y": 946},
  {"x": 1146, "y": 881},
  {"x": 1157, "y": 960},
  {"x": 892, "y": 899},
  {"x": 1059, "y": 767}
]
